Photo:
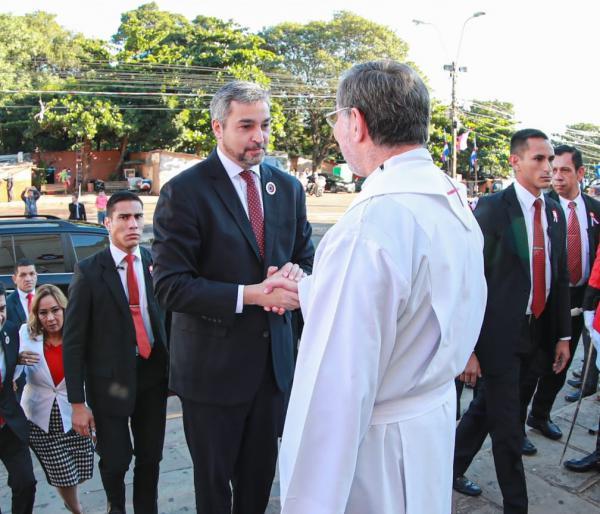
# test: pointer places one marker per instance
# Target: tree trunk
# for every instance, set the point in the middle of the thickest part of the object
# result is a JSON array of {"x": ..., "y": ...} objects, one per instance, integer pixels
[{"x": 123, "y": 151}]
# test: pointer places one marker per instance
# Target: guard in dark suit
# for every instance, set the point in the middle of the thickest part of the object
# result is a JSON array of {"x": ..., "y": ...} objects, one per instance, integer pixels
[
  {"x": 14, "y": 430},
  {"x": 77, "y": 209},
  {"x": 582, "y": 213},
  {"x": 115, "y": 357},
  {"x": 218, "y": 226},
  {"x": 19, "y": 301},
  {"x": 527, "y": 307}
]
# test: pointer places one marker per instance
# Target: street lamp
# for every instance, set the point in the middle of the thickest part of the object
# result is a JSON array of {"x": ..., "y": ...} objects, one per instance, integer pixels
[{"x": 453, "y": 68}]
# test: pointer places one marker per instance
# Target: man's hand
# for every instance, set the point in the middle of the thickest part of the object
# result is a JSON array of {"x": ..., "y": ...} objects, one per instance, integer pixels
[
  {"x": 28, "y": 358},
  {"x": 561, "y": 356},
  {"x": 82, "y": 420},
  {"x": 272, "y": 296},
  {"x": 472, "y": 371}
]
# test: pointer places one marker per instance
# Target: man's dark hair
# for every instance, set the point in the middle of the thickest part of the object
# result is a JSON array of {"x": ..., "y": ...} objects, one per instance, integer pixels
[
  {"x": 518, "y": 142},
  {"x": 576, "y": 156},
  {"x": 2, "y": 290},
  {"x": 22, "y": 263},
  {"x": 121, "y": 196},
  {"x": 392, "y": 98}
]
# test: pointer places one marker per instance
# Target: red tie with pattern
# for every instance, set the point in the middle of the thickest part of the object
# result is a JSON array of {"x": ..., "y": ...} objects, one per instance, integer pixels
[
  {"x": 538, "y": 301},
  {"x": 574, "y": 245},
  {"x": 255, "y": 211},
  {"x": 141, "y": 335},
  {"x": 29, "y": 301}
]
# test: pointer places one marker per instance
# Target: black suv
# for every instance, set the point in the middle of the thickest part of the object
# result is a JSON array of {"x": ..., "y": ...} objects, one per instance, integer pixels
[{"x": 53, "y": 244}]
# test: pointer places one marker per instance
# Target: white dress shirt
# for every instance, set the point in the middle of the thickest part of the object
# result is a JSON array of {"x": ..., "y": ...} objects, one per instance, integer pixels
[
  {"x": 583, "y": 228},
  {"x": 526, "y": 200},
  {"x": 24, "y": 302},
  {"x": 118, "y": 256},
  {"x": 233, "y": 171}
]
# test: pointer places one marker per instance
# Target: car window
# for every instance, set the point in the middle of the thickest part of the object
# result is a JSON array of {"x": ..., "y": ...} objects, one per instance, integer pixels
[
  {"x": 7, "y": 255},
  {"x": 88, "y": 244},
  {"x": 45, "y": 250}
]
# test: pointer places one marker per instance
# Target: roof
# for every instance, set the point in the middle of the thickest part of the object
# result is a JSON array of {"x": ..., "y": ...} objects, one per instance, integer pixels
[{"x": 24, "y": 224}]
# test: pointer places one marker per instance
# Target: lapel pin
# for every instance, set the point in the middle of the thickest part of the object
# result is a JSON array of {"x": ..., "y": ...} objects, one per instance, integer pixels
[
  {"x": 7, "y": 339},
  {"x": 150, "y": 269},
  {"x": 554, "y": 215},
  {"x": 594, "y": 219},
  {"x": 270, "y": 187}
]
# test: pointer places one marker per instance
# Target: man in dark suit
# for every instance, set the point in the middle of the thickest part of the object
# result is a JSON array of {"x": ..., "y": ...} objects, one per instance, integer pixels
[
  {"x": 14, "y": 430},
  {"x": 218, "y": 226},
  {"x": 582, "y": 213},
  {"x": 77, "y": 209},
  {"x": 115, "y": 357},
  {"x": 19, "y": 301},
  {"x": 524, "y": 237}
]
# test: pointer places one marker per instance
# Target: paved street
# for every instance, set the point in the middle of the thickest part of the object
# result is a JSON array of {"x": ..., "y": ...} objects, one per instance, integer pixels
[{"x": 552, "y": 489}]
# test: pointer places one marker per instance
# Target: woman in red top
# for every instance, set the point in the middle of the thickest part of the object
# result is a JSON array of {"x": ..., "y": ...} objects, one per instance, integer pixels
[{"x": 66, "y": 457}]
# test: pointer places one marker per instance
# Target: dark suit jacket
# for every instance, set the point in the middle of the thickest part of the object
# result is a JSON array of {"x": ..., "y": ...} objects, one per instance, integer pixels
[
  {"x": 10, "y": 409},
  {"x": 592, "y": 208},
  {"x": 507, "y": 272},
  {"x": 99, "y": 344},
  {"x": 204, "y": 247},
  {"x": 14, "y": 309},
  {"x": 73, "y": 212}
]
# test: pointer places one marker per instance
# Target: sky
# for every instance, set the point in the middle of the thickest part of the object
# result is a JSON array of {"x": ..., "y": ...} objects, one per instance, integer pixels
[{"x": 540, "y": 55}]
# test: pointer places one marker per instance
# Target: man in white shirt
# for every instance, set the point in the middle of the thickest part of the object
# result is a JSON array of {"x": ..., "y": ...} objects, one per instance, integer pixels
[
  {"x": 19, "y": 301},
  {"x": 392, "y": 312}
]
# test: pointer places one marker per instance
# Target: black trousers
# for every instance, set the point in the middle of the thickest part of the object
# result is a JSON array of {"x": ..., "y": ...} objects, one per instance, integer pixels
[
  {"x": 496, "y": 409},
  {"x": 15, "y": 456},
  {"x": 549, "y": 383},
  {"x": 591, "y": 384},
  {"x": 116, "y": 450},
  {"x": 235, "y": 446}
]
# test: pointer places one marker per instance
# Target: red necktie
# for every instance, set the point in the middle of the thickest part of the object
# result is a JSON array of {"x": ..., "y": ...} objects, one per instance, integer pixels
[
  {"x": 539, "y": 262},
  {"x": 29, "y": 302},
  {"x": 141, "y": 335},
  {"x": 255, "y": 211},
  {"x": 573, "y": 245}
]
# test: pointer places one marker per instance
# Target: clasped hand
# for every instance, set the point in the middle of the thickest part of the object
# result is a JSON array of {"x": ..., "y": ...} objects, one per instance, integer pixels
[{"x": 280, "y": 288}]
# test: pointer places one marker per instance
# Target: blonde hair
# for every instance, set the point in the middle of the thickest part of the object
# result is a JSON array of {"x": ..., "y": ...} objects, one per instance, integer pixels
[{"x": 34, "y": 325}]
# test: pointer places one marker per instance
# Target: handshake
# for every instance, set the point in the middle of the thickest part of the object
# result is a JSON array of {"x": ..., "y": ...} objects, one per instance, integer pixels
[{"x": 279, "y": 291}]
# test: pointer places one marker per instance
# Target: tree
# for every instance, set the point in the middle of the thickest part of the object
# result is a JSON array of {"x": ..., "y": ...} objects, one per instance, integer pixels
[
  {"x": 315, "y": 54},
  {"x": 585, "y": 137}
]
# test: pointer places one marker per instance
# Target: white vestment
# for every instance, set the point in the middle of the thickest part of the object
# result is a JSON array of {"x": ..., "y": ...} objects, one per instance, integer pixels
[{"x": 392, "y": 313}]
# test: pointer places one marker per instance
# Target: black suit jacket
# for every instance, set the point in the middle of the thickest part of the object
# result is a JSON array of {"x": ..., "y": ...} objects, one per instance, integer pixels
[
  {"x": 73, "y": 212},
  {"x": 14, "y": 309},
  {"x": 204, "y": 247},
  {"x": 592, "y": 209},
  {"x": 99, "y": 343},
  {"x": 507, "y": 272},
  {"x": 10, "y": 409}
]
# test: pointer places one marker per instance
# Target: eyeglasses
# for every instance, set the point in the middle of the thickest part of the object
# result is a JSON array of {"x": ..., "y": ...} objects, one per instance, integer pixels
[{"x": 332, "y": 117}]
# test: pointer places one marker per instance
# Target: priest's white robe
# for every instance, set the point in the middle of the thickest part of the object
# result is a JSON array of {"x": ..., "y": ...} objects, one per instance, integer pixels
[{"x": 392, "y": 313}]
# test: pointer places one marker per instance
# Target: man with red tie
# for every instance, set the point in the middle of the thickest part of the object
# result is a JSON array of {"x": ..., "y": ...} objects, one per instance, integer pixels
[
  {"x": 218, "y": 227},
  {"x": 582, "y": 213},
  {"x": 19, "y": 301},
  {"x": 527, "y": 309},
  {"x": 116, "y": 360}
]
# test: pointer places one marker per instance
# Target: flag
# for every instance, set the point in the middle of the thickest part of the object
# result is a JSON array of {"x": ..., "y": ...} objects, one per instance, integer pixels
[
  {"x": 445, "y": 151},
  {"x": 461, "y": 141},
  {"x": 474, "y": 153}
]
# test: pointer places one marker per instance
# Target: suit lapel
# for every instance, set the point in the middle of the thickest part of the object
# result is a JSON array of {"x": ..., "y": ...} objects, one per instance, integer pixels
[
  {"x": 270, "y": 206},
  {"x": 112, "y": 281},
  {"x": 552, "y": 220},
  {"x": 518, "y": 229},
  {"x": 150, "y": 300},
  {"x": 592, "y": 228},
  {"x": 10, "y": 356},
  {"x": 228, "y": 195}
]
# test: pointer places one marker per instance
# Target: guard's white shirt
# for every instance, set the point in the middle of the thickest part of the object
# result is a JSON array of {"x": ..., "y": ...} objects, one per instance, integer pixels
[
  {"x": 118, "y": 256},
  {"x": 583, "y": 228},
  {"x": 24, "y": 302},
  {"x": 241, "y": 188},
  {"x": 526, "y": 200},
  {"x": 392, "y": 313}
]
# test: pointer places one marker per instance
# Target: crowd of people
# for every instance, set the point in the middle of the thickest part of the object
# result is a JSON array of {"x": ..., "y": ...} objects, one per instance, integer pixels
[{"x": 348, "y": 355}]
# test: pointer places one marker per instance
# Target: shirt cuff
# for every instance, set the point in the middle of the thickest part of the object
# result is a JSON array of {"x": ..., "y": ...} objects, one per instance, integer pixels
[
  {"x": 239, "y": 306},
  {"x": 565, "y": 339}
]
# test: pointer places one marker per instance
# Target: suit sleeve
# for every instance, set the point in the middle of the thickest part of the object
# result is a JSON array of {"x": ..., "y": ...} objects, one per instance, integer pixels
[
  {"x": 304, "y": 250},
  {"x": 76, "y": 335},
  {"x": 592, "y": 292},
  {"x": 176, "y": 248},
  {"x": 83, "y": 214}
]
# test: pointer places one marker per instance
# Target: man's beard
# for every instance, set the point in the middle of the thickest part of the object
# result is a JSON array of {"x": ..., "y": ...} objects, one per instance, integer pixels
[{"x": 249, "y": 161}]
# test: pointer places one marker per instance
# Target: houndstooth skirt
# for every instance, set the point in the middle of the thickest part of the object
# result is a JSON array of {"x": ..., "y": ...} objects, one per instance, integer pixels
[{"x": 66, "y": 458}]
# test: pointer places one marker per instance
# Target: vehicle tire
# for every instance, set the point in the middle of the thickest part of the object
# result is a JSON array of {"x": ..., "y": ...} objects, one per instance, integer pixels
[{"x": 333, "y": 188}]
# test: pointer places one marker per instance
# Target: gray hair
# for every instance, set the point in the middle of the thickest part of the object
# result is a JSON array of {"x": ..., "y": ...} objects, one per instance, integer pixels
[
  {"x": 239, "y": 91},
  {"x": 393, "y": 99}
]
